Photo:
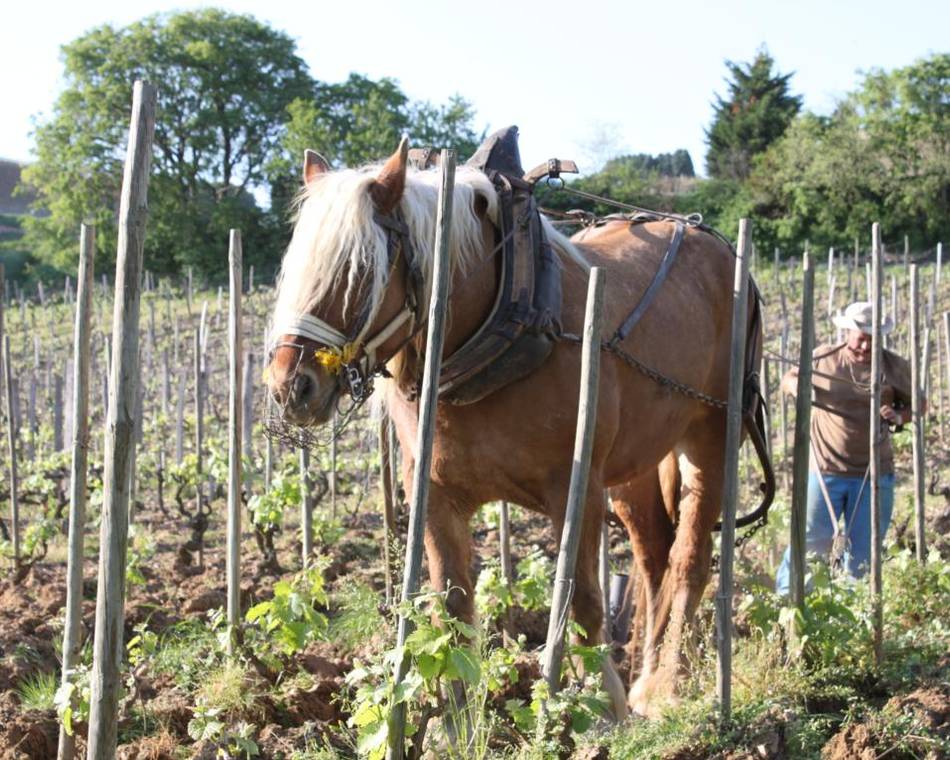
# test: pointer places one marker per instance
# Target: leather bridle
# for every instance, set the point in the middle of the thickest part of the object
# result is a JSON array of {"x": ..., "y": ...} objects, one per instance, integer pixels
[{"x": 353, "y": 357}]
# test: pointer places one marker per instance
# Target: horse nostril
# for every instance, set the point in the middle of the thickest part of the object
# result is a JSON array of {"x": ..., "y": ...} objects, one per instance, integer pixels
[{"x": 302, "y": 388}]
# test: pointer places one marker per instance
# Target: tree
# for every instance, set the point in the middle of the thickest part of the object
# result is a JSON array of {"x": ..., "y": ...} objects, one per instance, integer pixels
[
  {"x": 755, "y": 113},
  {"x": 224, "y": 81},
  {"x": 360, "y": 120},
  {"x": 883, "y": 155}
]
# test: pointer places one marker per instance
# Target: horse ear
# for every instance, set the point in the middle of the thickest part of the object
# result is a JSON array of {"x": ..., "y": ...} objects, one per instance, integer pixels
[
  {"x": 386, "y": 190},
  {"x": 313, "y": 166}
]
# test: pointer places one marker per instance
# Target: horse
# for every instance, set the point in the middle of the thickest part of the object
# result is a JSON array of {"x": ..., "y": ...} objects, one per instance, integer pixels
[{"x": 357, "y": 275}]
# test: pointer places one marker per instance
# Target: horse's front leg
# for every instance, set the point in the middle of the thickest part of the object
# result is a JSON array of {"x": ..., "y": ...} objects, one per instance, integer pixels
[
  {"x": 448, "y": 543},
  {"x": 587, "y": 602}
]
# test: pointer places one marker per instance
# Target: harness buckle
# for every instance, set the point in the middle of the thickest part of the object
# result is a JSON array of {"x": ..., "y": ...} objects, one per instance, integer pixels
[{"x": 358, "y": 387}]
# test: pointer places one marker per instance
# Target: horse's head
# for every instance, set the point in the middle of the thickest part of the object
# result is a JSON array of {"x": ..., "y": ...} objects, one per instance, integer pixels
[
  {"x": 345, "y": 299},
  {"x": 355, "y": 280}
]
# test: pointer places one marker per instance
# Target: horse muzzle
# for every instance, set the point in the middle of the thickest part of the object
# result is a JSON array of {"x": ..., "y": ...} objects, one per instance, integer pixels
[{"x": 303, "y": 399}]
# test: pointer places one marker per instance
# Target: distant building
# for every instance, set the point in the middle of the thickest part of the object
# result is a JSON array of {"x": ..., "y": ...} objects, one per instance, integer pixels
[{"x": 9, "y": 179}]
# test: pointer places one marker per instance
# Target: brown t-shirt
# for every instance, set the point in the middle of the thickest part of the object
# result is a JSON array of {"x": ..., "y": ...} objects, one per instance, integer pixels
[{"x": 840, "y": 422}]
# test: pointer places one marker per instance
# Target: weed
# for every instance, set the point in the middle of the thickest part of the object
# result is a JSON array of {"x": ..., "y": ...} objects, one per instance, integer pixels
[{"x": 38, "y": 691}]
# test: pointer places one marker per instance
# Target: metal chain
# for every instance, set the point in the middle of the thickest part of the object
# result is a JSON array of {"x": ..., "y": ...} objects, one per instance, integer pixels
[
  {"x": 741, "y": 540},
  {"x": 655, "y": 375}
]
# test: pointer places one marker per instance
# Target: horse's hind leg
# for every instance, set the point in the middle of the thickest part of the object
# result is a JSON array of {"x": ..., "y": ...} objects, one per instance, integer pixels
[
  {"x": 701, "y": 466},
  {"x": 587, "y": 602}
]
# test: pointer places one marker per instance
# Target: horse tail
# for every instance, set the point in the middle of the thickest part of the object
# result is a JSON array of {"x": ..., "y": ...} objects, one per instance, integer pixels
[{"x": 755, "y": 412}]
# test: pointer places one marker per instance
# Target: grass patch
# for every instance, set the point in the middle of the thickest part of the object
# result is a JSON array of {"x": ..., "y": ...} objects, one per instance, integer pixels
[{"x": 36, "y": 691}]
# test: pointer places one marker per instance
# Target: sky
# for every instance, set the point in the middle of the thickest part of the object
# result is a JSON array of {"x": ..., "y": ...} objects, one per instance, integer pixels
[{"x": 582, "y": 80}]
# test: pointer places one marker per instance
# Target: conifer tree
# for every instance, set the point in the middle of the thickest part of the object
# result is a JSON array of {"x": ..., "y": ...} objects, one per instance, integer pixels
[{"x": 756, "y": 111}]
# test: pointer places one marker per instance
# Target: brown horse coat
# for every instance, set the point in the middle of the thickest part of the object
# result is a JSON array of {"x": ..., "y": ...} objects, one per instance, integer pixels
[{"x": 517, "y": 444}]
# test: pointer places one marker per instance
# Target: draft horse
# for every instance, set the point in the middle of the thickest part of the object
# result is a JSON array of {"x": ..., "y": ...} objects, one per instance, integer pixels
[{"x": 351, "y": 300}]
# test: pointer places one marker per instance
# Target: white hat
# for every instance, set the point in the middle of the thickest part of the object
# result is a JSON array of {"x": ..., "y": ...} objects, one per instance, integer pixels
[{"x": 859, "y": 316}]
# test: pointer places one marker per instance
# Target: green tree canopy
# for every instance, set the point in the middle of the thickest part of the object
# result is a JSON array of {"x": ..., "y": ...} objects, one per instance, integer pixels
[
  {"x": 224, "y": 83},
  {"x": 883, "y": 155},
  {"x": 756, "y": 111}
]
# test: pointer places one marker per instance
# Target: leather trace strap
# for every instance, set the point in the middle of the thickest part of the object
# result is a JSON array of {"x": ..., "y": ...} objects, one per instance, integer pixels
[{"x": 650, "y": 293}]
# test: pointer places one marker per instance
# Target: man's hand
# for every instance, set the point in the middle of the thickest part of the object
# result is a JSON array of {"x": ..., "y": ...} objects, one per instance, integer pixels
[{"x": 890, "y": 414}]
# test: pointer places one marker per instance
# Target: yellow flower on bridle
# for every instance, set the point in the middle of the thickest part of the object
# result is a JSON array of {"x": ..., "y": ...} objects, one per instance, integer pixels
[{"x": 334, "y": 359}]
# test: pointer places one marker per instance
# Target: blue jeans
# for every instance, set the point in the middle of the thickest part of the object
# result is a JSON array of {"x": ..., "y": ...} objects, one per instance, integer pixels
[{"x": 819, "y": 531}]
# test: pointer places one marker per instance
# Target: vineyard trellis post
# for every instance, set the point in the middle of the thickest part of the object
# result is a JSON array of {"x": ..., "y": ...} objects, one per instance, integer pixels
[
  {"x": 199, "y": 438},
  {"x": 109, "y": 643},
  {"x": 428, "y": 399},
  {"x": 801, "y": 446},
  {"x": 577, "y": 491},
  {"x": 306, "y": 508},
  {"x": 877, "y": 613},
  {"x": 11, "y": 442},
  {"x": 235, "y": 431},
  {"x": 77, "y": 482},
  {"x": 917, "y": 441},
  {"x": 389, "y": 517},
  {"x": 730, "y": 491}
]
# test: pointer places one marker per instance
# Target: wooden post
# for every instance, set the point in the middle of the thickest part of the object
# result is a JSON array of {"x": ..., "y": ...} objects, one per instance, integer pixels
[
  {"x": 199, "y": 434},
  {"x": 389, "y": 515},
  {"x": 332, "y": 473},
  {"x": 603, "y": 573},
  {"x": 936, "y": 274},
  {"x": 109, "y": 644},
  {"x": 58, "y": 444},
  {"x": 426, "y": 429},
  {"x": 11, "y": 443},
  {"x": 802, "y": 443},
  {"x": 577, "y": 492},
  {"x": 180, "y": 417},
  {"x": 730, "y": 497},
  {"x": 877, "y": 609},
  {"x": 247, "y": 418},
  {"x": 77, "y": 483},
  {"x": 306, "y": 508},
  {"x": 504, "y": 541},
  {"x": 917, "y": 442},
  {"x": 235, "y": 430}
]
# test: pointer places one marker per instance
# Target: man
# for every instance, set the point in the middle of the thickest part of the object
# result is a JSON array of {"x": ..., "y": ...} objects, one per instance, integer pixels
[{"x": 840, "y": 441}]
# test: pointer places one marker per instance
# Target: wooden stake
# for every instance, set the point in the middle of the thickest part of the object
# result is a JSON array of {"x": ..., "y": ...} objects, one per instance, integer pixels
[
  {"x": 235, "y": 430},
  {"x": 917, "y": 442},
  {"x": 11, "y": 447},
  {"x": 577, "y": 491},
  {"x": 109, "y": 643},
  {"x": 802, "y": 441},
  {"x": 877, "y": 613},
  {"x": 730, "y": 496},
  {"x": 72, "y": 639},
  {"x": 426, "y": 429}
]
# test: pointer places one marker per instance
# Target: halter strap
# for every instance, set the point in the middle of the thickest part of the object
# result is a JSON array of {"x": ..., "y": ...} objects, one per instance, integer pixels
[
  {"x": 344, "y": 353},
  {"x": 309, "y": 326}
]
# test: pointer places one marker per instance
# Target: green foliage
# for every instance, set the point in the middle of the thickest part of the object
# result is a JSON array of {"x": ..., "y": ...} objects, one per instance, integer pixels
[
  {"x": 72, "y": 698},
  {"x": 440, "y": 650},
  {"x": 220, "y": 709},
  {"x": 755, "y": 113},
  {"x": 290, "y": 619},
  {"x": 38, "y": 691},
  {"x": 141, "y": 549},
  {"x": 881, "y": 156},
  {"x": 224, "y": 83},
  {"x": 530, "y": 590},
  {"x": 267, "y": 509},
  {"x": 357, "y": 617}
]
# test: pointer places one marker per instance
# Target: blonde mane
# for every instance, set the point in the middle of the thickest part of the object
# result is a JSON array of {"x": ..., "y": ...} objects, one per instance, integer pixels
[{"x": 336, "y": 238}]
